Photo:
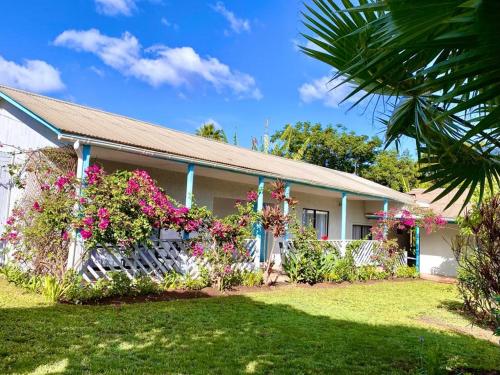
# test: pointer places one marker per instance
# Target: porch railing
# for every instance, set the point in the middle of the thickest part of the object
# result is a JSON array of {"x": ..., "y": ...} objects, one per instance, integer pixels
[
  {"x": 362, "y": 256},
  {"x": 159, "y": 259}
]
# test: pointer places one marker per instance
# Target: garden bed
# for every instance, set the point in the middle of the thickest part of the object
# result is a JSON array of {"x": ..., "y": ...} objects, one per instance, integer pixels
[{"x": 209, "y": 292}]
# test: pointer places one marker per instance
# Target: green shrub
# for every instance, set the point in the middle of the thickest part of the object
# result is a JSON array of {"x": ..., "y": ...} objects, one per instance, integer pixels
[
  {"x": 172, "y": 280},
  {"x": 76, "y": 290},
  {"x": 365, "y": 273},
  {"x": 252, "y": 278},
  {"x": 144, "y": 284},
  {"x": 340, "y": 268},
  {"x": 302, "y": 262},
  {"x": 52, "y": 289},
  {"x": 406, "y": 272},
  {"x": 120, "y": 284}
]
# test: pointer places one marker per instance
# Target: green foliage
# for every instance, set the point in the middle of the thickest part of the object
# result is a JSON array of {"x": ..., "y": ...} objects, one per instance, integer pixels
[
  {"x": 426, "y": 59},
  {"x": 365, "y": 273},
  {"x": 406, "y": 272},
  {"x": 302, "y": 262},
  {"x": 477, "y": 250},
  {"x": 52, "y": 288},
  {"x": 343, "y": 269},
  {"x": 210, "y": 131},
  {"x": 399, "y": 172},
  {"x": 252, "y": 278},
  {"x": 144, "y": 284},
  {"x": 174, "y": 280}
]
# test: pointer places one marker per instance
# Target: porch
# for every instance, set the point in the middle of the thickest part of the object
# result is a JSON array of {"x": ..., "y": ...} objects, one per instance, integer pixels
[{"x": 338, "y": 216}]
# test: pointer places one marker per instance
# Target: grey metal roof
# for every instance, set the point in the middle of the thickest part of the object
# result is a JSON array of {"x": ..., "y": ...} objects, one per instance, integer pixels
[{"x": 73, "y": 119}]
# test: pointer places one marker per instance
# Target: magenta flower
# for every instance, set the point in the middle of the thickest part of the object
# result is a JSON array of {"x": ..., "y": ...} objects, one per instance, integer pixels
[
  {"x": 104, "y": 223},
  {"x": 86, "y": 234},
  {"x": 252, "y": 196},
  {"x": 132, "y": 187},
  {"x": 65, "y": 235},
  {"x": 37, "y": 207},
  {"x": 228, "y": 247},
  {"x": 93, "y": 174},
  {"x": 10, "y": 220},
  {"x": 45, "y": 187},
  {"x": 198, "y": 249},
  {"x": 103, "y": 212},
  {"x": 227, "y": 269},
  {"x": 88, "y": 221},
  {"x": 192, "y": 225},
  {"x": 61, "y": 182},
  {"x": 440, "y": 221}
]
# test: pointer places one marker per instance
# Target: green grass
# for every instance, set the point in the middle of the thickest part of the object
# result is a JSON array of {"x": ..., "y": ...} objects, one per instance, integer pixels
[{"x": 358, "y": 329}]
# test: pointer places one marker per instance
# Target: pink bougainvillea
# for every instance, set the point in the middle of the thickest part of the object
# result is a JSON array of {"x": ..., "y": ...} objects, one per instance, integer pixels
[{"x": 252, "y": 196}]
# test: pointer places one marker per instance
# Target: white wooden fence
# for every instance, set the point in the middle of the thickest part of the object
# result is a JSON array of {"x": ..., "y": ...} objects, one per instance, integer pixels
[
  {"x": 158, "y": 260},
  {"x": 363, "y": 255}
]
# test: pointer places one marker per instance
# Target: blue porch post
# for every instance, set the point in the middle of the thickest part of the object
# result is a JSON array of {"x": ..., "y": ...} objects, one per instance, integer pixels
[
  {"x": 259, "y": 230},
  {"x": 417, "y": 248},
  {"x": 189, "y": 185},
  {"x": 76, "y": 247},
  {"x": 386, "y": 211},
  {"x": 286, "y": 207},
  {"x": 343, "y": 228}
]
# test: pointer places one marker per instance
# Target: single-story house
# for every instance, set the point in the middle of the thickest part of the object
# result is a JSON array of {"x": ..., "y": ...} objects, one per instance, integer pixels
[{"x": 339, "y": 205}]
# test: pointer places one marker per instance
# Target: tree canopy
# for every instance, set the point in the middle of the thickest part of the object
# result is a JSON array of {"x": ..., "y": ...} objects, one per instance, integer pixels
[
  {"x": 209, "y": 130},
  {"x": 436, "y": 64},
  {"x": 335, "y": 147}
]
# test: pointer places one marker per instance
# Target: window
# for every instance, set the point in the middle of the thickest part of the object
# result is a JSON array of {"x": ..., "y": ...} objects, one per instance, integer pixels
[
  {"x": 361, "y": 232},
  {"x": 317, "y": 219}
]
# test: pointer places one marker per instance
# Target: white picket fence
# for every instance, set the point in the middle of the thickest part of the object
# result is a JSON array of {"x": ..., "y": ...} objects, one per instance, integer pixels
[
  {"x": 157, "y": 260},
  {"x": 363, "y": 254}
]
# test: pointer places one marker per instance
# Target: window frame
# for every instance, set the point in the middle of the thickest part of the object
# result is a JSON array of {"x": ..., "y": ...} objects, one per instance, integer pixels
[
  {"x": 314, "y": 218},
  {"x": 359, "y": 225}
]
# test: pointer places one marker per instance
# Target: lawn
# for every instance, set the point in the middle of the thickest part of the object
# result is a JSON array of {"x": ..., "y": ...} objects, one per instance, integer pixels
[{"x": 359, "y": 329}]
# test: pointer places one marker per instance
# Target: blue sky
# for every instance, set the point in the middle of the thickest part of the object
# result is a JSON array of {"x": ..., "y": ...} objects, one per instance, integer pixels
[{"x": 175, "y": 63}]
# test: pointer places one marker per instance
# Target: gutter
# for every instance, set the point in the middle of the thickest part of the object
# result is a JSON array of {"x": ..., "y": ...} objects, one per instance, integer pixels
[{"x": 187, "y": 160}]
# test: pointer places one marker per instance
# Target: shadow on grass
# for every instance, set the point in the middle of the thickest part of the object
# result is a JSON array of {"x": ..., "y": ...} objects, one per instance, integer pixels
[{"x": 218, "y": 335}]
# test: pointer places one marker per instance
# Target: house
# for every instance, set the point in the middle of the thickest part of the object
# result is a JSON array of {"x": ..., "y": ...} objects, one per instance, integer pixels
[{"x": 339, "y": 205}]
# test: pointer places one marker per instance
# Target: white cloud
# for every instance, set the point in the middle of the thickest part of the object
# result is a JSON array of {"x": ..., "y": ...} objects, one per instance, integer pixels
[
  {"x": 32, "y": 75},
  {"x": 237, "y": 24},
  {"x": 307, "y": 43},
  {"x": 167, "y": 23},
  {"x": 323, "y": 89},
  {"x": 115, "y": 7},
  {"x": 97, "y": 71},
  {"x": 159, "y": 64}
]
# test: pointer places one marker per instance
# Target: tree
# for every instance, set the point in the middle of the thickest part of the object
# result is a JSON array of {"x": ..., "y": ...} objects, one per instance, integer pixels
[
  {"x": 436, "y": 64},
  {"x": 210, "y": 131},
  {"x": 399, "y": 172},
  {"x": 331, "y": 147}
]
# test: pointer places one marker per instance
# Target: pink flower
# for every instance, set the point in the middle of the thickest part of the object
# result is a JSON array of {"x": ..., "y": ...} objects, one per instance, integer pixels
[
  {"x": 198, "y": 249},
  {"x": 192, "y": 225},
  {"x": 37, "y": 207},
  {"x": 65, "y": 235},
  {"x": 252, "y": 196},
  {"x": 104, "y": 223},
  {"x": 440, "y": 221},
  {"x": 88, "y": 221},
  {"x": 61, "y": 182},
  {"x": 45, "y": 187},
  {"x": 83, "y": 201},
  {"x": 10, "y": 220},
  {"x": 86, "y": 234},
  {"x": 103, "y": 212},
  {"x": 228, "y": 247},
  {"x": 12, "y": 236},
  {"x": 227, "y": 269},
  {"x": 132, "y": 187},
  {"x": 409, "y": 222},
  {"x": 93, "y": 174}
]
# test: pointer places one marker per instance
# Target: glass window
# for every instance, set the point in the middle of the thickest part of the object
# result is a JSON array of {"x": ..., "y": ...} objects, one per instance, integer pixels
[
  {"x": 361, "y": 232},
  {"x": 317, "y": 219}
]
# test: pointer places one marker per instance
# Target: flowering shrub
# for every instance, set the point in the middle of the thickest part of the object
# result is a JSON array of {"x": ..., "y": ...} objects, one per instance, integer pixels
[
  {"x": 123, "y": 208},
  {"x": 387, "y": 226},
  {"x": 39, "y": 234},
  {"x": 221, "y": 242}
]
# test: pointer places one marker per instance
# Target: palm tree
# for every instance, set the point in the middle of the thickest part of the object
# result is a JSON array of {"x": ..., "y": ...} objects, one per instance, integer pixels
[
  {"x": 436, "y": 64},
  {"x": 210, "y": 131}
]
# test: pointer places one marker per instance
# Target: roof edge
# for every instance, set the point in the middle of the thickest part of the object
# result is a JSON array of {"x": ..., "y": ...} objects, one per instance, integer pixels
[{"x": 30, "y": 113}]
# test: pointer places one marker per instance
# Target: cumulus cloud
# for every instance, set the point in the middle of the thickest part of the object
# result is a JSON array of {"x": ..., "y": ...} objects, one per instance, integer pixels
[
  {"x": 31, "y": 75},
  {"x": 159, "y": 64},
  {"x": 237, "y": 24},
  {"x": 115, "y": 7},
  {"x": 323, "y": 89}
]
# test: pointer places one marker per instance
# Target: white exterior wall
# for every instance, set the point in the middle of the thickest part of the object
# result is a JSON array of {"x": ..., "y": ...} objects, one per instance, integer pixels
[
  {"x": 436, "y": 256},
  {"x": 21, "y": 131}
]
